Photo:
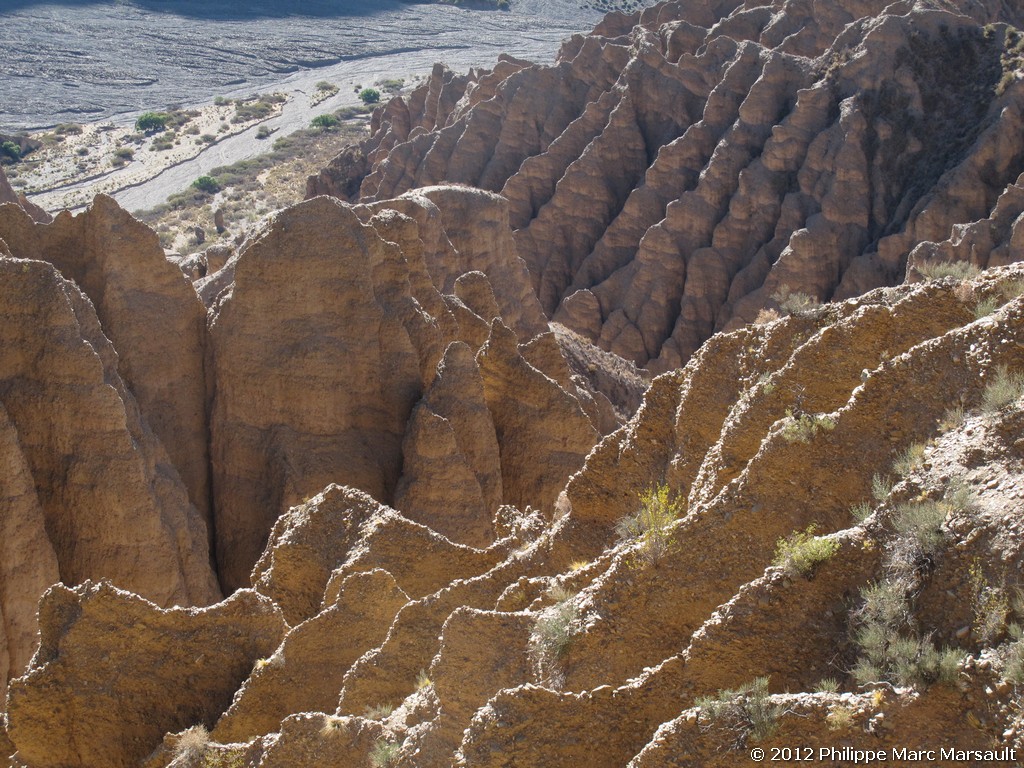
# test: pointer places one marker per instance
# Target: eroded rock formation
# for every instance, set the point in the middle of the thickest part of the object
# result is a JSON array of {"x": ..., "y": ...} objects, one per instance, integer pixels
[
  {"x": 681, "y": 169},
  {"x": 470, "y": 540},
  {"x": 87, "y": 703},
  {"x": 356, "y": 345},
  {"x": 567, "y": 640},
  {"x": 89, "y": 491}
]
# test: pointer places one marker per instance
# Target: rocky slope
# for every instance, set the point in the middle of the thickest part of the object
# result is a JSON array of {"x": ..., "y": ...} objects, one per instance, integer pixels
[
  {"x": 452, "y": 528},
  {"x": 892, "y": 467},
  {"x": 673, "y": 178},
  {"x": 154, "y": 443}
]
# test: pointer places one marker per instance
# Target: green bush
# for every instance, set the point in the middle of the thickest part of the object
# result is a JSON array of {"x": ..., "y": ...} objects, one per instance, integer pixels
[
  {"x": 889, "y": 653},
  {"x": 151, "y": 122},
  {"x": 801, "y": 552},
  {"x": 369, "y": 95},
  {"x": 650, "y": 525},
  {"x": 11, "y": 150},
  {"x": 207, "y": 184},
  {"x": 325, "y": 122}
]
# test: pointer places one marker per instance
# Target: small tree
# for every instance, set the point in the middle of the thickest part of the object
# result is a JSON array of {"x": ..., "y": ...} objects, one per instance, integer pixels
[
  {"x": 369, "y": 95},
  {"x": 325, "y": 122},
  {"x": 206, "y": 184},
  {"x": 11, "y": 150},
  {"x": 151, "y": 122}
]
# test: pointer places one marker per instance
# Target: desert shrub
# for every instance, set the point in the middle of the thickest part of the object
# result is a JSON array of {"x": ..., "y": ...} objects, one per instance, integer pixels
[
  {"x": 193, "y": 743},
  {"x": 423, "y": 680},
  {"x": 840, "y": 718},
  {"x": 348, "y": 113},
  {"x": 369, "y": 95},
  {"x": 555, "y": 628},
  {"x": 262, "y": 132},
  {"x": 889, "y": 652},
  {"x": 650, "y": 525},
  {"x": 125, "y": 153},
  {"x": 207, "y": 138},
  {"x": 179, "y": 117},
  {"x": 861, "y": 511},
  {"x": 1003, "y": 389},
  {"x": 952, "y": 419},
  {"x": 986, "y": 307},
  {"x": 151, "y": 122},
  {"x": 921, "y": 521},
  {"x": 827, "y": 685},
  {"x": 938, "y": 270},
  {"x": 503, "y": 5},
  {"x": 378, "y": 712},
  {"x": 909, "y": 459},
  {"x": 990, "y": 604},
  {"x": 801, "y": 428},
  {"x": 765, "y": 316},
  {"x": 325, "y": 122},
  {"x": 748, "y": 711},
  {"x": 1013, "y": 662},
  {"x": 881, "y": 487},
  {"x": 794, "y": 302},
  {"x": 1012, "y": 289},
  {"x": 391, "y": 85},
  {"x": 326, "y": 87},
  {"x": 257, "y": 108},
  {"x": 221, "y": 101},
  {"x": 207, "y": 184},
  {"x": 384, "y": 754},
  {"x": 801, "y": 552},
  {"x": 68, "y": 129}
]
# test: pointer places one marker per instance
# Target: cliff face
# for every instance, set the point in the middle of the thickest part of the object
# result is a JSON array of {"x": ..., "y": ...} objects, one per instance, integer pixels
[
  {"x": 390, "y": 348},
  {"x": 394, "y": 348},
  {"x": 90, "y": 490},
  {"x": 679, "y": 170}
]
